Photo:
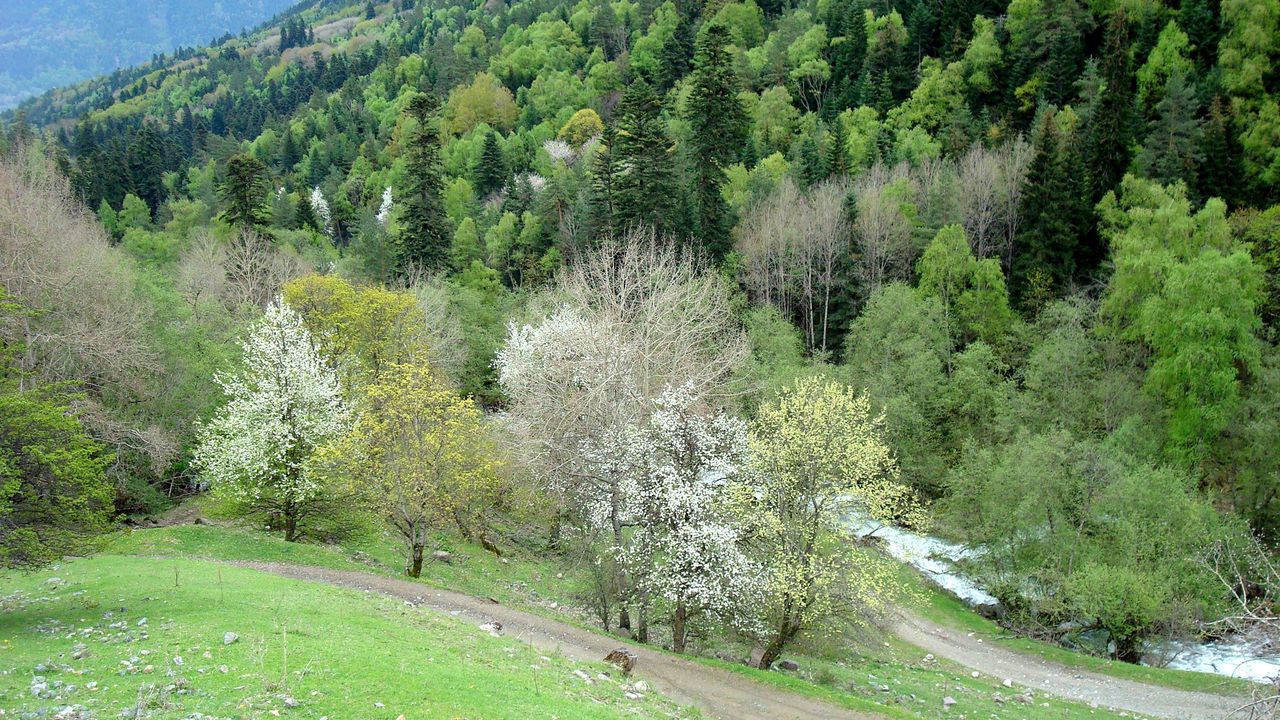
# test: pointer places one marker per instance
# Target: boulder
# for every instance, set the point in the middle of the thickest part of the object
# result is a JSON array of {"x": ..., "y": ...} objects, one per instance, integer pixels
[
  {"x": 623, "y": 658},
  {"x": 788, "y": 665},
  {"x": 442, "y": 556},
  {"x": 229, "y": 637}
]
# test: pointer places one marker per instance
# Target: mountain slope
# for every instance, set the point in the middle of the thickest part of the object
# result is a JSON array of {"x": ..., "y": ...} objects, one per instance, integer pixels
[{"x": 48, "y": 44}]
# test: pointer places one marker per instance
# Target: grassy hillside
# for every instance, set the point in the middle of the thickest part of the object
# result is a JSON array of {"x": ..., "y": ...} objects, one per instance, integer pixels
[
  {"x": 136, "y": 637},
  {"x": 892, "y": 678}
]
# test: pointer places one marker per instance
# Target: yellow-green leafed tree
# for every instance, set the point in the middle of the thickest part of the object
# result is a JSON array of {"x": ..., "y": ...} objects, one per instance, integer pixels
[
  {"x": 819, "y": 466},
  {"x": 418, "y": 455}
]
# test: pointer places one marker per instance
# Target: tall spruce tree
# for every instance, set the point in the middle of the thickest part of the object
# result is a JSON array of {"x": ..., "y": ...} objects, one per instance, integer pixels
[
  {"x": 1110, "y": 132},
  {"x": 646, "y": 189},
  {"x": 425, "y": 234},
  {"x": 1048, "y": 240},
  {"x": 491, "y": 170},
  {"x": 244, "y": 192},
  {"x": 602, "y": 200},
  {"x": 1172, "y": 150},
  {"x": 719, "y": 132},
  {"x": 1220, "y": 174},
  {"x": 848, "y": 24}
]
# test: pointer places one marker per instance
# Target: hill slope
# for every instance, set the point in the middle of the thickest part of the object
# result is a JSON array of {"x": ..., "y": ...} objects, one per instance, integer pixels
[{"x": 47, "y": 44}]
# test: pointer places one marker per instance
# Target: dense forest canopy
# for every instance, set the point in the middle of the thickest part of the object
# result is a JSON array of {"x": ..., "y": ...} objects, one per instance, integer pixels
[
  {"x": 49, "y": 44},
  {"x": 1041, "y": 238}
]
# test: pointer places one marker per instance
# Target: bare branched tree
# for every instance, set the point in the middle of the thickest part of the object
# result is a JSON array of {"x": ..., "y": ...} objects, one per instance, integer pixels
[
  {"x": 256, "y": 269},
  {"x": 882, "y": 230}
]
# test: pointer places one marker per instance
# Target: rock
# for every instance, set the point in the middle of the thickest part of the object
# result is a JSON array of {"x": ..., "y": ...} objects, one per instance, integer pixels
[
  {"x": 585, "y": 677},
  {"x": 929, "y": 658},
  {"x": 623, "y": 658},
  {"x": 948, "y": 701},
  {"x": 442, "y": 556},
  {"x": 788, "y": 665},
  {"x": 200, "y": 521},
  {"x": 1024, "y": 698},
  {"x": 974, "y": 674},
  {"x": 633, "y": 696},
  {"x": 493, "y": 627},
  {"x": 229, "y": 637},
  {"x": 641, "y": 686},
  {"x": 990, "y": 611},
  {"x": 222, "y": 669},
  {"x": 290, "y": 702},
  {"x": 148, "y": 668},
  {"x": 998, "y": 699},
  {"x": 1007, "y": 683},
  {"x": 142, "y": 622}
]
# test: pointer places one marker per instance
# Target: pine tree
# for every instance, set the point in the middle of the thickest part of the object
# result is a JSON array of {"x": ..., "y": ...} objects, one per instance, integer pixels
[
  {"x": 676, "y": 51},
  {"x": 1172, "y": 151},
  {"x": 809, "y": 169},
  {"x": 424, "y": 239},
  {"x": 604, "y": 178},
  {"x": 491, "y": 171},
  {"x": 1111, "y": 122},
  {"x": 1049, "y": 236},
  {"x": 646, "y": 187},
  {"x": 1219, "y": 175},
  {"x": 719, "y": 132},
  {"x": 244, "y": 192},
  {"x": 369, "y": 11},
  {"x": 837, "y": 150},
  {"x": 849, "y": 23}
]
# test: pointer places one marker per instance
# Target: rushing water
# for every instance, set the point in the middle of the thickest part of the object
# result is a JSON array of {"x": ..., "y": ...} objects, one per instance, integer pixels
[{"x": 1235, "y": 656}]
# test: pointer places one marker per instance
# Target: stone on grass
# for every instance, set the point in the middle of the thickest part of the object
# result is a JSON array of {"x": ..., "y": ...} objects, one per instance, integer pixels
[
  {"x": 442, "y": 555},
  {"x": 789, "y": 665},
  {"x": 229, "y": 637},
  {"x": 948, "y": 701}
]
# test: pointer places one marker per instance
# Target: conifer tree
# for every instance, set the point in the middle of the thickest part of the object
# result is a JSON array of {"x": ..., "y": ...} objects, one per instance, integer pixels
[
  {"x": 244, "y": 192},
  {"x": 677, "y": 50},
  {"x": 848, "y": 23},
  {"x": 719, "y": 132},
  {"x": 1172, "y": 149},
  {"x": 491, "y": 170},
  {"x": 646, "y": 191},
  {"x": 424, "y": 239},
  {"x": 1111, "y": 127},
  {"x": 1049, "y": 237},
  {"x": 604, "y": 178},
  {"x": 1219, "y": 175}
]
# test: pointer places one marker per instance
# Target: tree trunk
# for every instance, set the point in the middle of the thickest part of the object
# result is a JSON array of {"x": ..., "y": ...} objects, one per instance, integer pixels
[
  {"x": 678, "y": 630},
  {"x": 461, "y": 521},
  {"x": 772, "y": 651},
  {"x": 642, "y": 631},
  {"x": 414, "y": 569},
  {"x": 290, "y": 522}
]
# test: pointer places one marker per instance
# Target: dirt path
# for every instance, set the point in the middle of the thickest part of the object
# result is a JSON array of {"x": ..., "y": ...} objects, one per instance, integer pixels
[
  {"x": 717, "y": 693},
  {"x": 1062, "y": 681}
]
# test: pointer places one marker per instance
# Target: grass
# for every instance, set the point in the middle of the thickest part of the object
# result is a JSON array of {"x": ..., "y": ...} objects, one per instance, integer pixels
[
  {"x": 144, "y": 637},
  {"x": 945, "y": 609},
  {"x": 892, "y": 679}
]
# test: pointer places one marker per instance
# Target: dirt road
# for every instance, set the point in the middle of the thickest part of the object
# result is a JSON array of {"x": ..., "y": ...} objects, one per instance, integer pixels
[
  {"x": 717, "y": 693},
  {"x": 728, "y": 696},
  {"x": 1065, "y": 682}
]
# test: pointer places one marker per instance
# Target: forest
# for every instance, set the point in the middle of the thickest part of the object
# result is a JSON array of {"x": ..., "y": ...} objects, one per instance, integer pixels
[{"x": 685, "y": 286}]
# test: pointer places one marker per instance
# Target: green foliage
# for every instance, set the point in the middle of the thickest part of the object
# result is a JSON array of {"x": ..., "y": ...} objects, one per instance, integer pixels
[
  {"x": 424, "y": 240},
  {"x": 244, "y": 192},
  {"x": 718, "y": 131}
]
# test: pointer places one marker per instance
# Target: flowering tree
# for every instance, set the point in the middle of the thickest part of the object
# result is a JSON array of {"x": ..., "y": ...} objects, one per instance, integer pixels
[
  {"x": 685, "y": 551},
  {"x": 284, "y": 404},
  {"x": 818, "y": 457},
  {"x": 320, "y": 207},
  {"x": 632, "y": 321},
  {"x": 418, "y": 454}
]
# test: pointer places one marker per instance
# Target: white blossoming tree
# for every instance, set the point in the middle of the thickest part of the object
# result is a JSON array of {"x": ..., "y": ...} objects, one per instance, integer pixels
[
  {"x": 685, "y": 550},
  {"x": 320, "y": 207},
  {"x": 282, "y": 405},
  {"x": 632, "y": 320},
  {"x": 384, "y": 210}
]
